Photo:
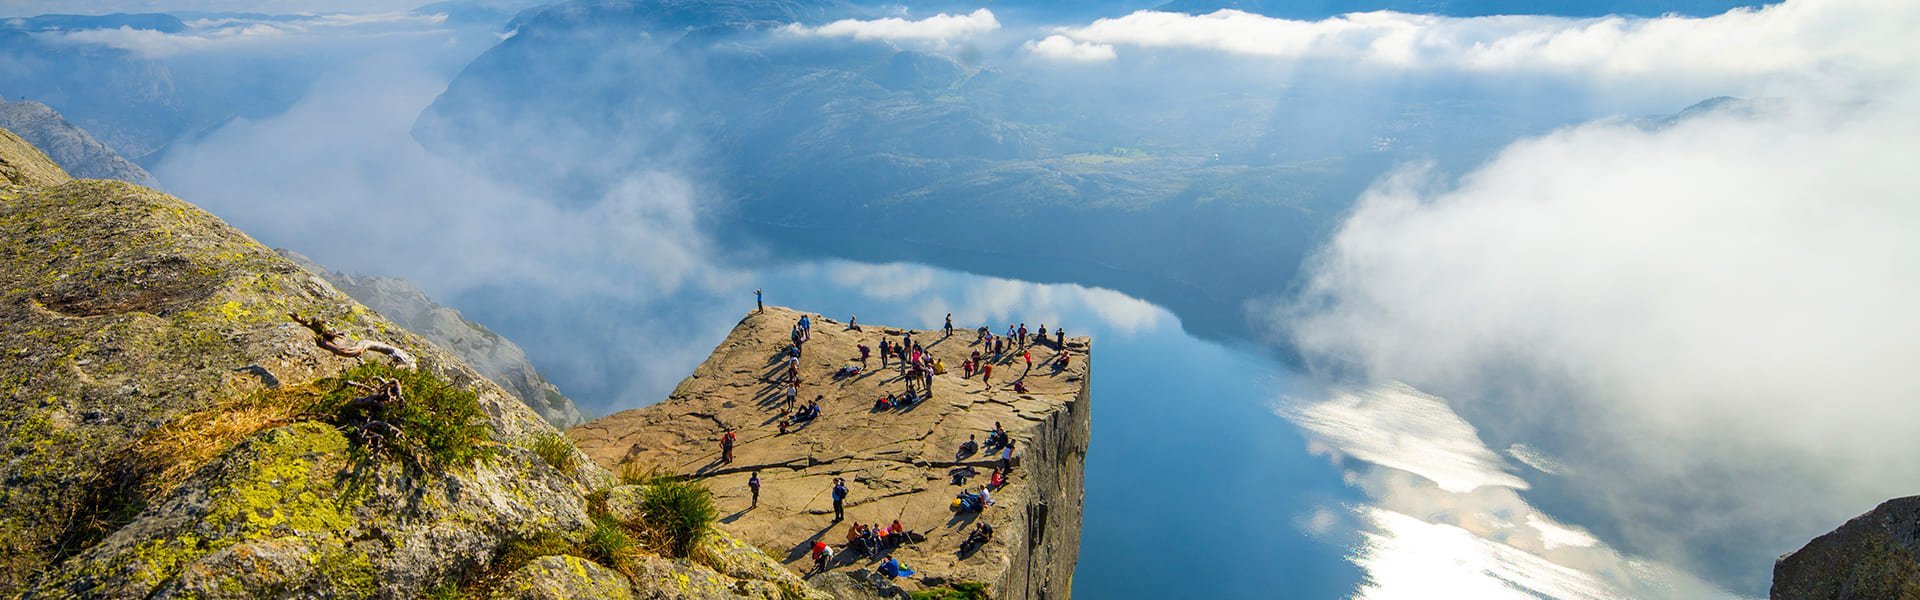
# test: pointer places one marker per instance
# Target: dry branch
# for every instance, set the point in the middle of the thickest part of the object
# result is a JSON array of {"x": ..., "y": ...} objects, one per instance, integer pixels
[{"x": 338, "y": 343}]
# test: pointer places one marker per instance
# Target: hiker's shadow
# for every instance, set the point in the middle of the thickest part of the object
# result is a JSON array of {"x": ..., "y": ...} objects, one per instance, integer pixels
[
  {"x": 735, "y": 516},
  {"x": 961, "y": 520}
]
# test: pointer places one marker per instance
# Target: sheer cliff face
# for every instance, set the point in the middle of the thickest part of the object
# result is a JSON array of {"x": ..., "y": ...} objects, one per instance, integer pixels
[
  {"x": 69, "y": 146},
  {"x": 497, "y": 357},
  {"x": 897, "y": 462},
  {"x": 1875, "y": 555}
]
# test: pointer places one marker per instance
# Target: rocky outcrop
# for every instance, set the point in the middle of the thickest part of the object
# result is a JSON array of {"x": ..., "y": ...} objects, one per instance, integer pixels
[
  {"x": 68, "y": 145},
  {"x": 897, "y": 462},
  {"x": 166, "y": 430},
  {"x": 495, "y": 356},
  {"x": 1873, "y": 556}
]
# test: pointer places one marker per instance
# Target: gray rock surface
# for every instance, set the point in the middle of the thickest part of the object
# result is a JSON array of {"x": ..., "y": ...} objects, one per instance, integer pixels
[
  {"x": 563, "y": 578},
  {"x": 495, "y": 356},
  {"x": 1874, "y": 556}
]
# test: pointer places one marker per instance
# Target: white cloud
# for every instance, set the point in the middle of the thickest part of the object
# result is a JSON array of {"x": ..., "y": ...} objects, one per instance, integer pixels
[
  {"x": 938, "y": 28},
  {"x": 240, "y": 34},
  {"x": 1445, "y": 518},
  {"x": 1710, "y": 321},
  {"x": 1060, "y": 47},
  {"x": 1397, "y": 426},
  {"x": 1793, "y": 36}
]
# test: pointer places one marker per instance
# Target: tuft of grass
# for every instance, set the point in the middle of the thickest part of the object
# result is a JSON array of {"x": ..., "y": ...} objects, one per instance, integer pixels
[
  {"x": 632, "y": 473},
  {"x": 610, "y": 543},
  {"x": 557, "y": 451},
  {"x": 441, "y": 424},
  {"x": 963, "y": 590},
  {"x": 678, "y": 513}
]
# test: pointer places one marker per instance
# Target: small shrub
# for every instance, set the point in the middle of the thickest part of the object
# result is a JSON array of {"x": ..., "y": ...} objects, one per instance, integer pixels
[
  {"x": 440, "y": 424},
  {"x": 557, "y": 451},
  {"x": 679, "y": 513},
  {"x": 609, "y": 543},
  {"x": 964, "y": 590}
]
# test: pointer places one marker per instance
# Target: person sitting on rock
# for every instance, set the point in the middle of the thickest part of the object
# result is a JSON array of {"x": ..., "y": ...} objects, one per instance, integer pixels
[
  {"x": 996, "y": 437},
  {"x": 967, "y": 448},
  {"x": 998, "y": 480},
  {"x": 853, "y": 323},
  {"x": 1061, "y": 363},
  {"x": 896, "y": 533},
  {"x": 1019, "y": 386},
  {"x": 892, "y": 568},
  {"x": 884, "y": 403},
  {"x": 982, "y": 533}
]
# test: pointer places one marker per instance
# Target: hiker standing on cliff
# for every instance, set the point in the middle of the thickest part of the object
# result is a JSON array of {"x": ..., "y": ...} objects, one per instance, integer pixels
[
  {"x": 1028, "y": 354},
  {"x": 1060, "y": 337},
  {"x": 753, "y": 485},
  {"x": 886, "y": 348},
  {"x": 726, "y": 447},
  {"x": 1023, "y": 335},
  {"x": 864, "y": 352},
  {"x": 949, "y": 327},
  {"x": 759, "y": 304},
  {"x": 839, "y": 499},
  {"x": 986, "y": 373}
]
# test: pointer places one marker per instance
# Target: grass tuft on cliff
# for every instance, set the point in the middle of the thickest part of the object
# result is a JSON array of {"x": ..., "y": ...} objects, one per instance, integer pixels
[
  {"x": 556, "y": 451},
  {"x": 440, "y": 424},
  {"x": 679, "y": 513}
]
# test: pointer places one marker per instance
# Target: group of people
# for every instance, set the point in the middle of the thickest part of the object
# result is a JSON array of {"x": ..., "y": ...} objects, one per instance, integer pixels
[
  {"x": 917, "y": 367},
  {"x": 868, "y": 539}
]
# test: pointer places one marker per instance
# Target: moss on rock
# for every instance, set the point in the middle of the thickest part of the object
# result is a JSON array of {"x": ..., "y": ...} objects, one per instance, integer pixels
[{"x": 562, "y": 578}]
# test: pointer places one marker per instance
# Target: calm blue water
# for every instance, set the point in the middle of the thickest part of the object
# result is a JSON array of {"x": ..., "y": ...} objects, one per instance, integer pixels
[{"x": 1194, "y": 487}]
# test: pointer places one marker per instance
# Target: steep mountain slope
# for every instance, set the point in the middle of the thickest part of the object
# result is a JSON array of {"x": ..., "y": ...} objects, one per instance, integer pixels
[
  {"x": 497, "y": 357},
  {"x": 70, "y": 146},
  {"x": 169, "y": 428}
]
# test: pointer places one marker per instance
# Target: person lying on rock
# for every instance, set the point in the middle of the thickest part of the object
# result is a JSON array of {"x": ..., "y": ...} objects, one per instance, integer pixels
[{"x": 960, "y": 474}]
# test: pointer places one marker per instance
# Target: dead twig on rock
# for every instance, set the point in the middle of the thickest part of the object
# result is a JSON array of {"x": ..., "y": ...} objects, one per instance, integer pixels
[{"x": 338, "y": 343}]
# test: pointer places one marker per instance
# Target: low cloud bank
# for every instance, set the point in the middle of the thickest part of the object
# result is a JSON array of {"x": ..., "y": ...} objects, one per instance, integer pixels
[
  {"x": 1792, "y": 36},
  {"x": 1707, "y": 321},
  {"x": 938, "y": 28}
]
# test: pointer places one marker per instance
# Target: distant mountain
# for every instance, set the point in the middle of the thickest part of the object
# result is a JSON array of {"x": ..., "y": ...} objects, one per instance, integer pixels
[
  {"x": 143, "y": 21},
  {"x": 70, "y": 146},
  {"x": 497, "y": 357}
]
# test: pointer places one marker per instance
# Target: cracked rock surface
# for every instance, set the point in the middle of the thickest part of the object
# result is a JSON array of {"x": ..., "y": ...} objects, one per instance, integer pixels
[{"x": 896, "y": 462}]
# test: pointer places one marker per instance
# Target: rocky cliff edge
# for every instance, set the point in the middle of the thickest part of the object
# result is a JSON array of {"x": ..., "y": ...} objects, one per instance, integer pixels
[{"x": 897, "y": 462}]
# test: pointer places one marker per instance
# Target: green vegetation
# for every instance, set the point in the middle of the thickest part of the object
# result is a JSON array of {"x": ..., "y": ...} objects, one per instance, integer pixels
[
  {"x": 556, "y": 450},
  {"x": 678, "y": 513},
  {"x": 964, "y": 590},
  {"x": 432, "y": 423},
  {"x": 609, "y": 543}
]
